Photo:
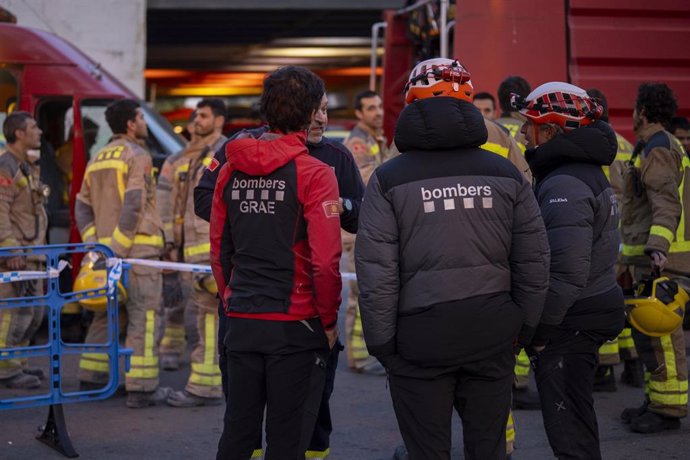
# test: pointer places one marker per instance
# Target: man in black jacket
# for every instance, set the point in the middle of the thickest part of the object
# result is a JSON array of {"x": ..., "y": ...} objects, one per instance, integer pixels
[
  {"x": 452, "y": 261},
  {"x": 567, "y": 146},
  {"x": 334, "y": 154}
]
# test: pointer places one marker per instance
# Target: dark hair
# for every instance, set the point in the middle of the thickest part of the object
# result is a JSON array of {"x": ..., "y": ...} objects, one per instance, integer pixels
[
  {"x": 484, "y": 95},
  {"x": 512, "y": 84},
  {"x": 13, "y": 122},
  {"x": 119, "y": 113},
  {"x": 601, "y": 99},
  {"x": 217, "y": 106},
  {"x": 363, "y": 95},
  {"x": 679, "y": 123},
  {"x": 290, "y": 95},
  {"x": 658, "y": 101}
]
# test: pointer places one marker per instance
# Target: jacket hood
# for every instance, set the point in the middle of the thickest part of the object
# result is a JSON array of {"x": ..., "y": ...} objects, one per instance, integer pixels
[
  {"x": 262, "y": 156},
  {"x": 595, "y": 144},
  {"x": 440, "y": 123}
]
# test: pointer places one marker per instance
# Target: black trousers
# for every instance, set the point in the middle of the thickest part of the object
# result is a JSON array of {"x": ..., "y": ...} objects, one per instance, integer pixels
[
  {"x": 565, "y": 378},
  {"x": 320, "y": 440},
  {"x": 480, "y": 391}
]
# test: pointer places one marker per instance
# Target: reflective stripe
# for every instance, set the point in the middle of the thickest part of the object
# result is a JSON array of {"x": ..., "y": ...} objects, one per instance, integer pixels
[
  {"x": 670, "y": 392},
  {"x": 89, "y": 232},
  {"x": 144, "y": 361},
  {"x": 97, "y": 362},
  {"x": 625, "y": 339},
  {"x": 663, "y": 232},
  {"x": 206, "y": 368},
  {"x": 144, "y": 240},
  {"x": 148, "y": 337},
  {"x": 122, "y": 239},
  {"x": 5, "y": 320},
  {"x": 182, "y": 168},
  {"x": 208, "y": 381},
  {"x": 210, "y": 340},
  {"x": 146, "y": 367},
  {"x": 120, "y": 168},
  {"x": 510, "y": 428},
  {"x": 204, "y": 248},
  {"x": 143, "y": 373},
  {"x": 317, "y": 453},
  {"x": 609, "y": 348},
  {"x": 633, "y": 250},
  {"x": 206, "y": 161},
  {"x": 496, "y": 148},
  {"x": 522, "y": 364},
  {"x": 22, "y": 182},
  {"x": 257, "y": 453}
]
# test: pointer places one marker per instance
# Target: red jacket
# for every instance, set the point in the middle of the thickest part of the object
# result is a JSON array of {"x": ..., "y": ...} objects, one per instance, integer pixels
[{"x": 275, "y": 232}]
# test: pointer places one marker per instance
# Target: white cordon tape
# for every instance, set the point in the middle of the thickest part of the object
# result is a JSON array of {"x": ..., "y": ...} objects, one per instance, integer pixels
[{"x": 27, "y": 275}]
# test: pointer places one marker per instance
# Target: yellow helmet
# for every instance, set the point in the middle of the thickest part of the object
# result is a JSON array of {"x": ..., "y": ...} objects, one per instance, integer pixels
[
  {"x": 93, "y": 275},
  {"x": 658, "y": 308}
]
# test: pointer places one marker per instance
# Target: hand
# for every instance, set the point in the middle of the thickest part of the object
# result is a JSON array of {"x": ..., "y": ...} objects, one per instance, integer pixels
[
  {"x": 341, "y": 208},
  {"x": 16, "y": 263},
  {"x": 332, "y": 336},
  {"x": 169, "y": 252},
  {"x": 658, "y": 259}
]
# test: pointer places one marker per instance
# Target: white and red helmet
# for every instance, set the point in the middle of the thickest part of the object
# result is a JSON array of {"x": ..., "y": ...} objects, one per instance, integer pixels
[
  {"x": 439, "y": 77},
  {"x": 563, "y": 104}
]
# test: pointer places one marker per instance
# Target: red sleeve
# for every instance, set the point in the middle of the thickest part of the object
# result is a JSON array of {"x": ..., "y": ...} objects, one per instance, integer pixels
[
  {"x": 220, "y": 233},
  {"x": 321, "y": 211}
]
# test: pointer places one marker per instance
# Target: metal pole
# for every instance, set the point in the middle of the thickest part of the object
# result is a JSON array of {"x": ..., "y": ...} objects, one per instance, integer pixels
[
  {"x": 374, "y": 48},
  {"x": 449, "y": 27},
  {"x": 444, "y": 29},
  {"x": 412, "y": 7}
]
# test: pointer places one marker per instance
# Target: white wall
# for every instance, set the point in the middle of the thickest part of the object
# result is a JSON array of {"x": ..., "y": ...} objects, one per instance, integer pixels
[{"x": 112, "y": 32}]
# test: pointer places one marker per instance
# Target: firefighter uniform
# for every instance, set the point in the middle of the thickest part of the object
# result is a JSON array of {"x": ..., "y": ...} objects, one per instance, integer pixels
[
  {"x": 369, "y": 151},
  {"x": 23, "y": 222},
  {"x": 191, "y": 233},
  {"x": 513, "y": 123},
  {"x": 116, "y": 206},
  {"x": 655, "y": 194}
]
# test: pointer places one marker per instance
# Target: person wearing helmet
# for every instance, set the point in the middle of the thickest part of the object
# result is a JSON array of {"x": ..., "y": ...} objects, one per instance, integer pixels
[
  {"x": 566, "y": 147},
  {"x": 452, "y": 260},
  {"x": 510, "y": 118},
  {"x": 654, "y": 229}
]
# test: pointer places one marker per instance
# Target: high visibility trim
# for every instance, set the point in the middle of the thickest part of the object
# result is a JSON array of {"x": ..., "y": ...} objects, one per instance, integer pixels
[
  {"x": 633, "y": 250},
  {"x": 182, "y": 168},
  {"x": 97, "y": 362},
  {"x": 149, "y": 336},
  {"x": 204, "y": 380},
  {"x": 143, "y": 373},
  {"x": 122, "y": 239},
  {"x": 662, "y": 232},
  {"x": 257, "y": 453},
  {"x": 22, "y": 182},
  {"x": 176, "y": 332},
  {"x": 317, "y": 453},
  {"x": 206, "y": 368},
  {"x": 117, "y": 165},
  {"x": 609, "y": 348},
  {"x": 144, "y": 240},
  {"x": 89, "y": 232},
  {"x": 168, "y": 226},
  {"x": 5, "y": 320},
  {"x": 144, "y": 361},
  {"x": 210, "y": 339},
  {"x": 669, "y": 386},
  {"x": 191, "y": 251},
  {"x": 510, "y": 428},
  {"x": 496, "y": 148},
  {"x": 206, "y": 161}
]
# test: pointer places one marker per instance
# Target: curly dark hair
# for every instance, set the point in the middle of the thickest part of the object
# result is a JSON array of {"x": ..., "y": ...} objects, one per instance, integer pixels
[
  {"x": 290, "y": 95},
  {"x": 658, "y": 102},
  {"x": 119, "y": 113},
  {"x": 512, "y": 84}
]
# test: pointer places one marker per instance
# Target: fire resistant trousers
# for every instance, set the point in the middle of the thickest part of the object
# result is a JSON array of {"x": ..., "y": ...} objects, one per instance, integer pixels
[
  {"x": 177, "y": 290},
  {"x": 143, "y": 303},
  {"x": 481, "y": 393},
  {"x": 565, "y": 379},
  {"x": 18, "y": 325}
]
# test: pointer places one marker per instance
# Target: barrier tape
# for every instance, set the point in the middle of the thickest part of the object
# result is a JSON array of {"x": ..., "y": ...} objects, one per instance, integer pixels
[{"x": 116, "y": 271}]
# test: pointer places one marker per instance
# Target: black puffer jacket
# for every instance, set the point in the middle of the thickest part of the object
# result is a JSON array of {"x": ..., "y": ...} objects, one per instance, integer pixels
[
  {"x": 451, "y": 252},
  {"x": 581, "y": 217}
]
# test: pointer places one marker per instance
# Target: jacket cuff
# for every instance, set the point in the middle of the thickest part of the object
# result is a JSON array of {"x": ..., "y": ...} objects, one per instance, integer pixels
[
  {"x": 657, "y": 243},
  {"x": 544, "y": 334}
]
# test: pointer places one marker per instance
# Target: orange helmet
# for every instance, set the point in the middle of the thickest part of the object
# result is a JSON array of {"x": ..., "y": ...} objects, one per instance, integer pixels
[
  {"x": 439, "y": 77},
  {"x": 560, "y": 103}
]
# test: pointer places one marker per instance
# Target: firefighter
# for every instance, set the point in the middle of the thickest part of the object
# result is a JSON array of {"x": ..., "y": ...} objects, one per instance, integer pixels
[
  {"x": 23, "y": 222},
  {"x": 510, "y": 118},
  {"x": 116, "y": 206},
  {"x": 441, "y": 305},
  {"x": 655, "y": 231},
  {"x": 369, "y": 148},
  {"x": 192, "y": 237},
  {"x": 622, "y": 347}
]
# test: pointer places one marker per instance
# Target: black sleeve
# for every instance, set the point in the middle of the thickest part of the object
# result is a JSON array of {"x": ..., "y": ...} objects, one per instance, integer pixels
[
  {"x": 351, "y": 187},
  {"x": 203, "y": 192}
]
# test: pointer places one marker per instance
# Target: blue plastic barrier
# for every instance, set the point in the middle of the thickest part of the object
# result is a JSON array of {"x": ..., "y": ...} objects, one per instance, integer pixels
[{"x": 55, "y": 349}]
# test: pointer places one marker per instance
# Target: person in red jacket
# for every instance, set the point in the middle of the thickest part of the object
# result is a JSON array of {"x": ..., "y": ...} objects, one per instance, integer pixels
[{"x": 275, "y": 251}]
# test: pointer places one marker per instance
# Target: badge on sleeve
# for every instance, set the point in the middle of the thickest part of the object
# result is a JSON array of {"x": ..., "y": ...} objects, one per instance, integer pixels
[
  {"x": 331, "y": 208},
  {"x": 214, "y": 165}
]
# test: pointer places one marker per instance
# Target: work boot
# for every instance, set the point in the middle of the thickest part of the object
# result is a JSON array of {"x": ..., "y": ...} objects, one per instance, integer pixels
[
  {"x": 400, "y": 453},
  {"x": 186, "y": 399},
  {"x": 22, "y": 381},
  {"x": 633, "y": 373},
  {"x": 604, "y": 379},
  {"x": 170, "y": 362},
  {"x": 35, "y": 371},
  {"x": 632, "y": 412},
  {"x": 141, "y": 399},
  {"x": 649, "y": 422},
  {"x": 525, "y": 399},
  {"x": 370, "y": 366}
]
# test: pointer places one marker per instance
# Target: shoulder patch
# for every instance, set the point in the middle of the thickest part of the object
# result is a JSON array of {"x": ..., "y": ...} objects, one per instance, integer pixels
[
  {"x": 213, "y": 165},
  {"x": 6, "y": 181},
  {"x": 331, "y": 208}
]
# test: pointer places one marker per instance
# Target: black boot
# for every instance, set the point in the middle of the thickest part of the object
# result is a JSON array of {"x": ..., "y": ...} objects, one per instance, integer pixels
[
  {"x": 633, "y": 373},
  {"x": 604, "y": 379},
  {"x": 649, "y": 422},
  {"x": 633, "y": 412}
]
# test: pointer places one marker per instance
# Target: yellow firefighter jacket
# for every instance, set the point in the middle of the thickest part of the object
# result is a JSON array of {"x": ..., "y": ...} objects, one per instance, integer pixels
[
  {"x": 23, "y": 218},
  {"x": 655, "y": 197},
  {"x": 501, "y": 142},
  {"x": 117, "y": 202}
]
